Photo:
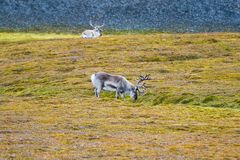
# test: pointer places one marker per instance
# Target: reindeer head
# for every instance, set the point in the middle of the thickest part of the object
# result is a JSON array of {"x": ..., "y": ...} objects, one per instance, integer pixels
[
  {"x": 140, "y": 87},
  {"x": 97, "y": 28}
]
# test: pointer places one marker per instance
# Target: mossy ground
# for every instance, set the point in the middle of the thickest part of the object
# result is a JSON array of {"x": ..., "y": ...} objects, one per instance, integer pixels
[{"x": 191, "y": 110}]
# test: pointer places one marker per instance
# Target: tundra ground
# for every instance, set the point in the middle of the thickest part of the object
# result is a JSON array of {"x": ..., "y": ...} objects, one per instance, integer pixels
[{"x": 190, "y": 111}]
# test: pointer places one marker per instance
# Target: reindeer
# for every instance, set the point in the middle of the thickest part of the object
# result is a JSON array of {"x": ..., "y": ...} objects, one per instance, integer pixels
[
  {"x": 119, "y": 84},
  {"x": 96, "y": 32}
]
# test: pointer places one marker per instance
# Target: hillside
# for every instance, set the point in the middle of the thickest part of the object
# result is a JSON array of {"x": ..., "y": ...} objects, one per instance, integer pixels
[
  {"x": 190, "y": 111},
  {"x": 165, "y": 15}
]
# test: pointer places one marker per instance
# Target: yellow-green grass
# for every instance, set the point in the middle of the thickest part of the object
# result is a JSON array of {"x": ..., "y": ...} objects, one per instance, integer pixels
[
  {"x": 190, "y": 111},
  {"x": 19, "y": 37}
]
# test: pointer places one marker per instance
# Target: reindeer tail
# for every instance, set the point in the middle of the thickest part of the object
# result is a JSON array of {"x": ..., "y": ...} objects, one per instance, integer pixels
[{"x": 93, "y": 78}]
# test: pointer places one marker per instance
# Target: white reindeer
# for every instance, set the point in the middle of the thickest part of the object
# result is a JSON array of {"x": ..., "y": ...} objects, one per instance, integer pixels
[
  {"x": 96, "y": 32},
  {"x": 119, "y": 84}
]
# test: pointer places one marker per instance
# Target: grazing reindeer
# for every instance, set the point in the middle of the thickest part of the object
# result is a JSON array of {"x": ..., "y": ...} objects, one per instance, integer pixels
[
  {"x": 120, "y": 84},
  {"x": 96, "y": 32}
]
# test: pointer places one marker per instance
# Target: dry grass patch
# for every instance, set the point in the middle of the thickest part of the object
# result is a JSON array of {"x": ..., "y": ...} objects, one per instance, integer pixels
[{"x": 48, "y": 109}]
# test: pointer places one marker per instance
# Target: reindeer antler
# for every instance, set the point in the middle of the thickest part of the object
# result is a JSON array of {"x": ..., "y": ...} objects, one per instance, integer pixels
[
  {"x": 143, "y": 78},
  {"x": 143, "y": 85},
  {"x": 101, "y": 26},
  {"x": 90, "y": 22},
  {"x": 95, "y": 25}
]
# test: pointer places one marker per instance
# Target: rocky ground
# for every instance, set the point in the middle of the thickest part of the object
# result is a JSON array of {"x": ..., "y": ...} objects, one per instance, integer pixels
[{"x": 164, "y": 15}]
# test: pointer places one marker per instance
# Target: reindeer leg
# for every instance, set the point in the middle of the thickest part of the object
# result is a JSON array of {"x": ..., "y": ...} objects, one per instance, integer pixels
[
  {"x": 117, "y": 93},
  {"x": 97, "y": 92},
  {"x": 123, "y": 96}
]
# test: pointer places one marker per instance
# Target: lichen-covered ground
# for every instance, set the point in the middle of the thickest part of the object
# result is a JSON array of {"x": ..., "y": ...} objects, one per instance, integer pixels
[{"x": 190, "y": 111}]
